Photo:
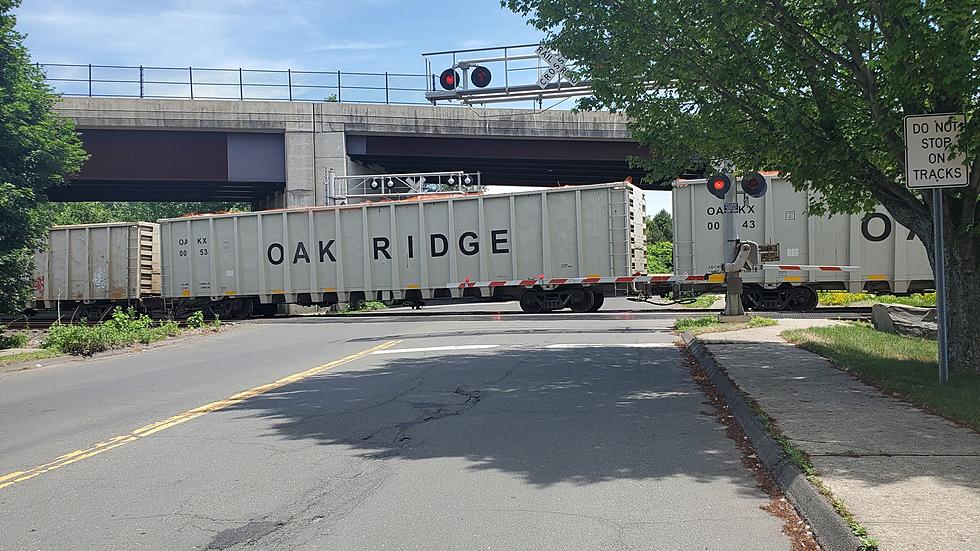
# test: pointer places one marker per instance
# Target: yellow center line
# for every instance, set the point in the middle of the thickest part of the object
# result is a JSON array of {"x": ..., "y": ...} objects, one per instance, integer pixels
[{"x": 146, "y": 430}]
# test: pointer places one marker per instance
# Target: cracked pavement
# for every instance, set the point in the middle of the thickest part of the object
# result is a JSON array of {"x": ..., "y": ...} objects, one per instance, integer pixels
[{"x": 604, "y": 446}]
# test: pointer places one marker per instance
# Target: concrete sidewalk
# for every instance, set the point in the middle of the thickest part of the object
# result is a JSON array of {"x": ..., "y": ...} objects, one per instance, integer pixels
[{"x": 911, "y": 478}]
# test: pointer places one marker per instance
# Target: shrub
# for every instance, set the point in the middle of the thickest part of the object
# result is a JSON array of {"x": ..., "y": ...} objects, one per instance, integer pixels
[
  {"x": 125, "y": 327},
  {"x": 15, "y": 340},
  {"x": 196, "y": 320},
  {"x": 840, "y": 298},
  {"x": 924, "y": 300}
]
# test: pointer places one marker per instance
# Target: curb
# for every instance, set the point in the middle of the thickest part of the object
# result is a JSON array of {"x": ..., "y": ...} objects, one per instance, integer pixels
[{"x": 829, "y": 529}]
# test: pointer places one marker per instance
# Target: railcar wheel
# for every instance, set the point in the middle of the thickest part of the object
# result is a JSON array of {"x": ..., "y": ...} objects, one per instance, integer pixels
[
  {"x": 597, "y": 300},
  {"x": 580, "y": 299},
  {"x": 233, "y": 309},
  {"x": 531, "y": 302},
  {"x": 802, "y": 299}
]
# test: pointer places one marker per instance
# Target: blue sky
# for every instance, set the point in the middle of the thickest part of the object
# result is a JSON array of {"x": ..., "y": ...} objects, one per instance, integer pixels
[
  {"x": 358, "y": 35},
  {"x": 328, "y": 35}
]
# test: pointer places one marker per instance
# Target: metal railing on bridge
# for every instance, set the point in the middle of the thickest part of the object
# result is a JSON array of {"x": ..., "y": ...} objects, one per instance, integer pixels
[{"x": 235, "y": 84}]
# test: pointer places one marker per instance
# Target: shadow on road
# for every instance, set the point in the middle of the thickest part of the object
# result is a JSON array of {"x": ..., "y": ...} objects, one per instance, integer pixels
[{"x": 550, "y": 416}]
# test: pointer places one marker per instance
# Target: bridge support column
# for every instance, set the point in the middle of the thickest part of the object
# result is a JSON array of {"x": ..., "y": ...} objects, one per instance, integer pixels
[
  {"x": 300, "y": 178},
  {"x": 331, "y": 152}
]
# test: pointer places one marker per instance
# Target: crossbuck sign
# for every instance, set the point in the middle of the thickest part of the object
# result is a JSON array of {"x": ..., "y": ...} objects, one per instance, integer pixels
[{"x": 557, "y": 65}]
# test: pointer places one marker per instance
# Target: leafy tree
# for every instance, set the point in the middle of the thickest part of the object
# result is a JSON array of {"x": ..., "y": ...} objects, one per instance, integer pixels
[
  {"x": 815, "y": 89},
  {"x": 660, "y": 227},
  {"x": 660, "y": 257},
  {"x": 37, "y": 150}
]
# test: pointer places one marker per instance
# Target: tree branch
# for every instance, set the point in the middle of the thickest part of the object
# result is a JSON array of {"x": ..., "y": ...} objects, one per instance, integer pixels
[
  {"x": 870, "y": 88},
  {"x": 808, "y": 36}
]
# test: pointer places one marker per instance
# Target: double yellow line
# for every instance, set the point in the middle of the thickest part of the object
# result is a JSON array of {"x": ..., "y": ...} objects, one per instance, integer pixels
[{"x": 152, "y": 428}]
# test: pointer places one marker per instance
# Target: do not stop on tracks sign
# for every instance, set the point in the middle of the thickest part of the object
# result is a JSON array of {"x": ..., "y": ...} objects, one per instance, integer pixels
[{"x": 930, "y": 159}]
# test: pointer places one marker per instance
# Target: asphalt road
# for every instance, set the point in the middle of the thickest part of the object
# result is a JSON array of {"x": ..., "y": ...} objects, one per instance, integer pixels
[{"x": 490, "y": 432}]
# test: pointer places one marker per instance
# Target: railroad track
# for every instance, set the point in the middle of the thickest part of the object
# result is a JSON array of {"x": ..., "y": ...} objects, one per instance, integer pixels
[
  {"x": 842, "y": 312},
  {"x": 385, "y": 316}
]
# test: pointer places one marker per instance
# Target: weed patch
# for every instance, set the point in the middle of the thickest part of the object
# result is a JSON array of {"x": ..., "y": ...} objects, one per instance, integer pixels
[
  {"x": 124, "y": 328},
  {"x": 702, "y": 301},
  {"x": 710, "y": 324},
  {"x": 366, "y": 306},
  {"x": 13, "y": 340}
]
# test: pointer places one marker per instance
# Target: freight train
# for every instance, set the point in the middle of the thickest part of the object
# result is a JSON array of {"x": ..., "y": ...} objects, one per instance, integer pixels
[{"x": 560, "y": 248}]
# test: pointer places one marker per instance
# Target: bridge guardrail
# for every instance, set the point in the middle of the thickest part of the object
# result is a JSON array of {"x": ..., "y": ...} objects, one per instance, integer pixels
[{"x": 235, "y": 84}]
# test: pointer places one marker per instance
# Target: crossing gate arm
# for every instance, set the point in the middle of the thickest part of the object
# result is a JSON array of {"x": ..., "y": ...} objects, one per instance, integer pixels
[{"x": 809, "y": 268}]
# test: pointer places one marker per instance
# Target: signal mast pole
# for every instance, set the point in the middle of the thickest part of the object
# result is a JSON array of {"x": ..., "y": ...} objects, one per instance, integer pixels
[{"x": 734, "y": 311}]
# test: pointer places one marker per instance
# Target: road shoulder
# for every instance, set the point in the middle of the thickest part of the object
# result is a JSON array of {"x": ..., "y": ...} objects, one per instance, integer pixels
[{"x": 185, "y": 337}]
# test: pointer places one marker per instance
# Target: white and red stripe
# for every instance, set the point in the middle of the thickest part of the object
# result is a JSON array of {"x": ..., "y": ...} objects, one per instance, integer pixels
[
  {"x": 657, "y": 278},
  {"x": 809, "y": 268}
]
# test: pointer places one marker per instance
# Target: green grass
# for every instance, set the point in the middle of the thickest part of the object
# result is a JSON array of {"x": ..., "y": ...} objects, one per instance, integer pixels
[
  {"x": 28, "y": 356},
  {"x": 710, "y": 324},
  {"x": 906, "y": 367},
  {"x": 702, "y": 301},
  {"x": 840, "y": 298},
  {"x": 124, "y": 328}
]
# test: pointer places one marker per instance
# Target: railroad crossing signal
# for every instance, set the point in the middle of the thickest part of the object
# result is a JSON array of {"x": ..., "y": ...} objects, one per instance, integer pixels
[
  {"x": 480, "y": 77},
  {"x": 449, "y": 79},
  {"x": 719, "y": 184},
  {"x": 754, "y": 184}
]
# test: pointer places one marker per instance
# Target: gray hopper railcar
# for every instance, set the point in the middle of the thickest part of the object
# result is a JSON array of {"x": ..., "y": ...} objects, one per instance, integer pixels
[{"x": 560, "y": 248}]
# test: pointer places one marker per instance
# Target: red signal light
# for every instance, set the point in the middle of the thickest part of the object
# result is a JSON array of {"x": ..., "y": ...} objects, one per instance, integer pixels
[
  {"x": 480, "y": 77},
  {"x": 754, "y": 185},
  {"x": 719, "y": 184},
  {"x": 449, "y": 79}
]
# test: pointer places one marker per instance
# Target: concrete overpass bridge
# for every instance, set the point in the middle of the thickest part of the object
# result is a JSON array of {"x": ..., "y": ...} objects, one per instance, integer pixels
[{"x": 278, "y": 153}]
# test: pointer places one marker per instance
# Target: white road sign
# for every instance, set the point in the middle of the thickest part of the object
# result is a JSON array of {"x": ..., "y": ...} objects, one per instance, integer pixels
[
  {"x": 556, "y": 66},
  {"x": 929, "y": 159}
]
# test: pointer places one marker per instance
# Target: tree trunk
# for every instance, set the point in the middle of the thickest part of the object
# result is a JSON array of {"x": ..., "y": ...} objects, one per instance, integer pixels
[
  {"x": 962, "y": 275},
  {"x": 963, "y": 301}
]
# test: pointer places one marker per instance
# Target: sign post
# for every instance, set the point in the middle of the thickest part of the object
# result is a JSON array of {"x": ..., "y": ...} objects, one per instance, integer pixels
[{"x": 931, "y": 163}]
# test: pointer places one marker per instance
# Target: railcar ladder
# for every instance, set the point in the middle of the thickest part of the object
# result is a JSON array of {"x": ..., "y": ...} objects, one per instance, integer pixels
[{"x": 626, "y": 254}]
